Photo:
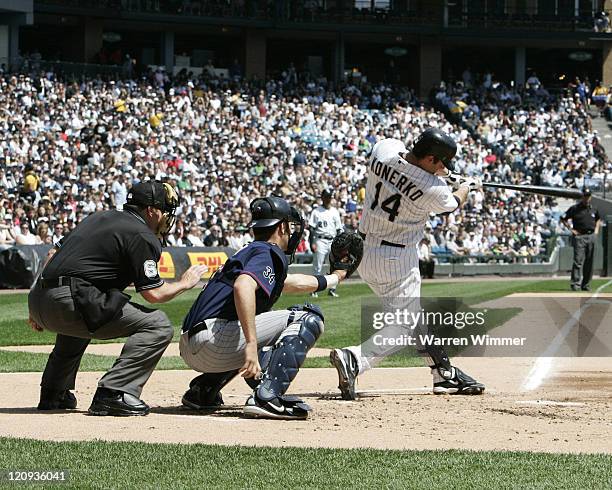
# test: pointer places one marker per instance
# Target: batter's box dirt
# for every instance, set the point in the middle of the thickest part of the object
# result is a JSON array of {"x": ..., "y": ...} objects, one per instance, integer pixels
[{"x": 398, "y": 411}]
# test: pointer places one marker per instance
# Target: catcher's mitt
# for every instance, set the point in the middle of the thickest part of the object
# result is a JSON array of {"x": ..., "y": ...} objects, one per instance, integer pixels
[{"x": 346, "y": 253}]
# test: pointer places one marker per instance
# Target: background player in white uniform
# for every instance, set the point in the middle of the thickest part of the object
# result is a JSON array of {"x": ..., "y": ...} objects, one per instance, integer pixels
[
  {"x": 324, "y": 224},
  {"x": 402, "y": 189}
]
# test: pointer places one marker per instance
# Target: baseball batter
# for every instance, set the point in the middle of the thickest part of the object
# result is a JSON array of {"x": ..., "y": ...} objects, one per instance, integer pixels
[
  {"x": 402, "y": 189},
  {"x": 324, "y": 224}
]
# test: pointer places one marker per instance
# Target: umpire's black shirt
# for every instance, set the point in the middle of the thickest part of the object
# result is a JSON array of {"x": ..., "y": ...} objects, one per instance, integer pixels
[
  {"x": 111, "y": 250},
  {"x": 584, "y": 217}
]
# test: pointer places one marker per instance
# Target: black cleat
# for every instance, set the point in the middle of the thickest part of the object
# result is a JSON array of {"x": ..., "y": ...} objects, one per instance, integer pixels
[
  {"x": 346, "y": 365},
  {"x": 117, "y": 403},
  {"x": 285, "y": 408},
  {"x": 333, "y": 293},
  {"x": 56, "y": 400},
  {"x": 458, "y": 383},
  {"x": 197, "y": 399}
]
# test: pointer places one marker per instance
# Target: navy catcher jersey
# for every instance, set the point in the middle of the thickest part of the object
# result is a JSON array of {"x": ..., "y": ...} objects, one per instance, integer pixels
[{"x": 265, "y": 262}]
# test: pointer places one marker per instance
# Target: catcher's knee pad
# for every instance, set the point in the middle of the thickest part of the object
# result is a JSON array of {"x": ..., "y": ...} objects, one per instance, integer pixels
[{"x": 289, "y": 353}]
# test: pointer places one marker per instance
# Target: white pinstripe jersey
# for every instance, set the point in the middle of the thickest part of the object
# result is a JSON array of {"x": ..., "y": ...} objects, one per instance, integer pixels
[{"x": 400, "y": 196}]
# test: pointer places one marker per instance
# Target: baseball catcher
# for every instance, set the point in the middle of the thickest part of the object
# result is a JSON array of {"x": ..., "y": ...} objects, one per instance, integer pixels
[{"x": 231, "y": 329}]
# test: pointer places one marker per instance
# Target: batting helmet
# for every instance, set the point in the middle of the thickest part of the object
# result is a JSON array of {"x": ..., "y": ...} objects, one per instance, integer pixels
[{"x": 435, "y": 142}]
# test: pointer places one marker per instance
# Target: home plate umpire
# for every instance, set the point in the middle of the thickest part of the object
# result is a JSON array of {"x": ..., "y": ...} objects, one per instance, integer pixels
[{"x": 80, "y": 297}]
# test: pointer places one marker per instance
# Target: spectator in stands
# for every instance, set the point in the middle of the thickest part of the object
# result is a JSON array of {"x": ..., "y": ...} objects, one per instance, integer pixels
[
  {"x": 600, "y": 96},
  {"x": 42, "y": 232},
  {"x": 193, "y": 237},
  {"x": 7, "y": 232},
  {"x": 58, "y": 233},
  {"x": 602, "y": 22},
  {"x": 31, "y": 183},
  {"x": 26, "y": 237}
]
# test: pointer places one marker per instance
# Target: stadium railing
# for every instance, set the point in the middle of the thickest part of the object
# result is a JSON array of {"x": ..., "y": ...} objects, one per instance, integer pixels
[
  {"x": 358, "y": 12},
  {"x": 600, "y": 186},
  {"x": 24, "y": 64}
]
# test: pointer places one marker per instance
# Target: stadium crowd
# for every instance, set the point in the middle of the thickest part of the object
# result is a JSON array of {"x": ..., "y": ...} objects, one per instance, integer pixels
[{"x": 69, "y": 148}]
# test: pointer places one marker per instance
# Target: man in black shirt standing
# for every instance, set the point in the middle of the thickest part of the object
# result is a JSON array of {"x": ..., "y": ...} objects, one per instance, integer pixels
[
  {"x": 585, "y": 227},
  {"x": 79, "y": 296}
]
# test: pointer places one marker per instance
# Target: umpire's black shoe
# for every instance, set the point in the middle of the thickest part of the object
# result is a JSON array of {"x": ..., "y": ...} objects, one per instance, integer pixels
[
  {"x": 56, "y": 400},
  {"x": 117, "y": 403}
]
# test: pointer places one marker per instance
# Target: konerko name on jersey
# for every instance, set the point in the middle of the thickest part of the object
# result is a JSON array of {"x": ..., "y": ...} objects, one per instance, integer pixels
[{"x": 395, "y": 178}]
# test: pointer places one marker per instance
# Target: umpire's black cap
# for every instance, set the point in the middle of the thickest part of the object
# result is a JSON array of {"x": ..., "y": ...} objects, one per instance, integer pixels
[
  {"x": 326, "y": 194},
  {"x": 436, "y": 142},
  {"x": 269, "y": 211},
  {"x": 153, "y": 193}
]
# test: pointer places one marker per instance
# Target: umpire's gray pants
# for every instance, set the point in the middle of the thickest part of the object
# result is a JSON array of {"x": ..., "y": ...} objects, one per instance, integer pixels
[
  {"x": 582, "y": 267},
  {"x": 221, "y": 346},
  {"x": 149, "y": 332}
]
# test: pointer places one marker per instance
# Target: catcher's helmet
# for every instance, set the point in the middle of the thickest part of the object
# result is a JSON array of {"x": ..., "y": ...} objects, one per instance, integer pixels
[
  {"x": 269, "y": 211},
  {"x": 435, "y": 142}
]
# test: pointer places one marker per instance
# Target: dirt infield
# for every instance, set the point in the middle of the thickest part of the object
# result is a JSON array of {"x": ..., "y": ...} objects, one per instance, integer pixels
[
  {"x": 570, "y": 412},
  {"x": 537, "y": 403}
]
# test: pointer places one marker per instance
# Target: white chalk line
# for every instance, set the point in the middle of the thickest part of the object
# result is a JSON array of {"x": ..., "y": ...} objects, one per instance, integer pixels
[
  {"x": 543, "y": 365},
  {"x": 552, "y": 403}
]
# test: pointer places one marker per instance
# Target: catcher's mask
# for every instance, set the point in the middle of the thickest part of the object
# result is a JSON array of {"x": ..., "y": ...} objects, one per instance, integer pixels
[
  {"x": 161, "y": 196},
  {"x": 270, "y": 211}
]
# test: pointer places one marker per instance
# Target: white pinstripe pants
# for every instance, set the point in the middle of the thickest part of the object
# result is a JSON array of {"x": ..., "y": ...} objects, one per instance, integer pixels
[
  {"x": 393, "y": 274},
  {"x": 221, "y": 346}
]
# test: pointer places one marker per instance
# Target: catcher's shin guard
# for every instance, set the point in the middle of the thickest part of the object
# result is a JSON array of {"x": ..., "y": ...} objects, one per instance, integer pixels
[
  {"x": 289, "y": 353},
  {"x": 264, "y": 361}
]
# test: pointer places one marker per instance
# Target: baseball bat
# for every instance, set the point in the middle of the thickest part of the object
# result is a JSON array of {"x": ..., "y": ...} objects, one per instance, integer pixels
[{"x": 538, "y": 189}]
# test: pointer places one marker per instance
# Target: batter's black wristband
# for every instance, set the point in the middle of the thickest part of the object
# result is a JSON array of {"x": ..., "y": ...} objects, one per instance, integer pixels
[{"x": 322, "y": 283}]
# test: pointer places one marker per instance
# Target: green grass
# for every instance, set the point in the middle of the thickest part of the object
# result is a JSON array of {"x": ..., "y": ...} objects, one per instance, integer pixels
[
  {"x": 138, "y": 465},
  {"x": 34, "y": 362},
  {"x": 342, "y": 324}
]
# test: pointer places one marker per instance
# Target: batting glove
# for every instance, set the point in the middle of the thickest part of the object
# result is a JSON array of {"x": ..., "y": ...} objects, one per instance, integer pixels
[
  {"x": 453, "y": 180},
  {"x": 473, "y": 183}
]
